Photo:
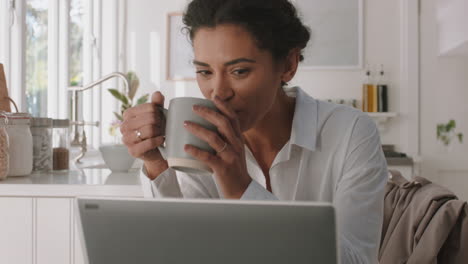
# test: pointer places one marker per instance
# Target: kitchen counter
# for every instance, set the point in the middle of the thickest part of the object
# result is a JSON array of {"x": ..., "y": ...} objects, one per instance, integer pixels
[
  {"x": 400, "y": 161},
  {"x": 76, "y": 182},
  {"x": 92, "y": 178}
]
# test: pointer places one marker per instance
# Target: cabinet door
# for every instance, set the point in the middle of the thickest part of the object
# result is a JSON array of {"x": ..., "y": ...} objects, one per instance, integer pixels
[
  {"x": 16, "y": 228},
  {"x": 77, "y": 246},
  {"x": 54, "y": 229}
]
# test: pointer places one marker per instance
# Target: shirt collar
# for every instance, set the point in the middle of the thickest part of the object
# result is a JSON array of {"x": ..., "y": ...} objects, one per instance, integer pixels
[
  {"x": 304, "y": 126},
  {"x": 303, "y": 131}
]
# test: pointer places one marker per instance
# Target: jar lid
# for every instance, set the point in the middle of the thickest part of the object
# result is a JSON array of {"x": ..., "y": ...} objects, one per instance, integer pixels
[
  {"x": 41, "y": 122},
  {"x": 17, "y": 118},
  {"x": 17, "y": 115},
  {"x": 61, "y": 123}
]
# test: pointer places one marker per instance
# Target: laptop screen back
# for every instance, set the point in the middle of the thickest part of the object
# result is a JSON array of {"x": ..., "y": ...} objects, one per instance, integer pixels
[{"x": 205, "y": 231}]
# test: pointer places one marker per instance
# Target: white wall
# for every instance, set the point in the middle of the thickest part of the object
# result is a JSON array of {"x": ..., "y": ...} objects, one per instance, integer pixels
[
  {"x": 147, "y": 49},
  {"x": 381, "y": 46},
  {"x": 444, "y": 94}
]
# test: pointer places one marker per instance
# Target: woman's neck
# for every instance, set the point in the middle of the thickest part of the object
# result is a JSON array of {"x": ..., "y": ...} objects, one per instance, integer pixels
[{"x": 274, "y": 130}]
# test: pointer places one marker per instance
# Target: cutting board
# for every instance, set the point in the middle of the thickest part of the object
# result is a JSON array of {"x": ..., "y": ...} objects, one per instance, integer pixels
[{"x": 4, "y": 102}]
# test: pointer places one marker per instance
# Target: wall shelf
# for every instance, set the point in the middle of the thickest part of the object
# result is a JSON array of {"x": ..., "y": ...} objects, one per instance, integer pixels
[
  {"x": 382, "y": 118},
  {"x": 382, "y": 115}
]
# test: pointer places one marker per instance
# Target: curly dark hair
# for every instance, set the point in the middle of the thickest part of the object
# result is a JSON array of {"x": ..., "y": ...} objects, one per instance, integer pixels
[{"x": 274, "y": 24}]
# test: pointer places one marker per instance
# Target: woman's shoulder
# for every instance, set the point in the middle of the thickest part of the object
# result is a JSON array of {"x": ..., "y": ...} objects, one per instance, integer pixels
[
  {"x": 341, "y": 122},
  {"x": 331, "y": 114},
  {"x": 326, "y": 123},
  {"x": 336, "y": 113}
]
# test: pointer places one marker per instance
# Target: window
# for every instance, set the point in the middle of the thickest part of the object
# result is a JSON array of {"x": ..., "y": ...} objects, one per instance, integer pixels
[
  {"x": 76, "y": 42},
  {"x": 36, "y": 56},
  {"x": 47, "y": 46}
]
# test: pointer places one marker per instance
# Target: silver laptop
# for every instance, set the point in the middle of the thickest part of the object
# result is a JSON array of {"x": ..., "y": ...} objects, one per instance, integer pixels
[{"x": 180, "y": 231}]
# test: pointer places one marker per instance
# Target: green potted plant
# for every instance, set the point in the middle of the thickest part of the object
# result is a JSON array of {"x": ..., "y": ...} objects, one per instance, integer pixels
[
  {"x": 116, "y": 155},
  {"x": 446, "y": 133}
]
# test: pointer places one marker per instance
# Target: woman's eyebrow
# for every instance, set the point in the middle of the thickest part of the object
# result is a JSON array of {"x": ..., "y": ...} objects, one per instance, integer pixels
[
  {"x": 199, "y": 63},
  {"x": 239, "y": 60}
]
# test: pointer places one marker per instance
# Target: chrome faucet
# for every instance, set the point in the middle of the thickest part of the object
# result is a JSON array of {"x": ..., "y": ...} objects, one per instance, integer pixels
[{"x": 80, "y": 140}]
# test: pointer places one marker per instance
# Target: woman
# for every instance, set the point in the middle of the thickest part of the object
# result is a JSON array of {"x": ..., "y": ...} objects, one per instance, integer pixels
[{"x": 274, "y": 142}]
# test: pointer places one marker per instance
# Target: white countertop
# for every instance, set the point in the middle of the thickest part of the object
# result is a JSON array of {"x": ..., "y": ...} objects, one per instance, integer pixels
[
  {"x": 84, "y": 182},
  {"x": 91, "y": 178}
]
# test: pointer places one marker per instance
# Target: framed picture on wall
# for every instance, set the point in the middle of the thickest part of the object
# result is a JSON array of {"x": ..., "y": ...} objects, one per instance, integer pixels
[
  {"x": 179, "y": 66},
  {"x": 336, "y": 34}
]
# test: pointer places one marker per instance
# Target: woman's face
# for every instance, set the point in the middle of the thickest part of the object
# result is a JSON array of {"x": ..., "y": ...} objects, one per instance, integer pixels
[{"x": 231, "y": 66}]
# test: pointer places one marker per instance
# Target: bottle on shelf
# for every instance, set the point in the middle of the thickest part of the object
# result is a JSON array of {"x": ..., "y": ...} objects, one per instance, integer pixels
[
  {"x": 368, "y": 93},
  {"x": 382, "y": 92}
]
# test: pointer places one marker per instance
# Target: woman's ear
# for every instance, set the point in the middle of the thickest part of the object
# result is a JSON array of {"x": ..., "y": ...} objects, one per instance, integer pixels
[{"x": 290, "y": 65}]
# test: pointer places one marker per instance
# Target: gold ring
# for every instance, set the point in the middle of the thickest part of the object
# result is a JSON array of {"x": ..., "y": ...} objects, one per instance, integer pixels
[{"x": 223, "y": 149}]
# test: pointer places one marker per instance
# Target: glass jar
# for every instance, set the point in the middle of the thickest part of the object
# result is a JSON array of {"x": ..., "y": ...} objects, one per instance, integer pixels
[
  {"x": 4, "y": 145},
  {"x": 41, "y": 130},
  {"x": 61, "y": 144},
  {"x": 21, "y": 144}
]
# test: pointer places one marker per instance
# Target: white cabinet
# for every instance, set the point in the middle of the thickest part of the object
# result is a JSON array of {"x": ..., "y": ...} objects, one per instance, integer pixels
[
  {"x": 57, "y": 232},
  {"x": 16, "y": 230},
  {"x": 77, "y": 249},
  {"x": 53, "y": 230},
  {"x": 39, "y": 231},
  {"x": 37, "y": 213}
]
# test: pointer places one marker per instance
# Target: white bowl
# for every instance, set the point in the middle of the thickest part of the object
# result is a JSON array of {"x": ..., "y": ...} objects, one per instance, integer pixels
[{"x": 116, "y": 157}]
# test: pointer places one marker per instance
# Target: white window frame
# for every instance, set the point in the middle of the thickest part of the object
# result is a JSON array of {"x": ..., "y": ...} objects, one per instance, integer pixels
[
  {"x": 5, "y": 36},
  {"x": 58, "y": 50},
  {"x": 12, "y": 57},
  {"x": 104, "y": 26}
]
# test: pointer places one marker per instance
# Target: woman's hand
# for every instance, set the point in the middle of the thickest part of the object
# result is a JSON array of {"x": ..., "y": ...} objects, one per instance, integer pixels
[
  {"x": 228, "y": 164},
  {"x": 142, "y": 130}
]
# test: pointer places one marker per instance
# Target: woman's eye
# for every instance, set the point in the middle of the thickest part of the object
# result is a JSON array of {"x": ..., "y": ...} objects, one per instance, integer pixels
[
  {"x": 241, "y": 72},
  {"x": 203, "y": 72}
]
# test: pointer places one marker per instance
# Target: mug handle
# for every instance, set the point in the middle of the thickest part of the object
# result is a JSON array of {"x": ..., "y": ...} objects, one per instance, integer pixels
[{"x": 162, "y": 148}]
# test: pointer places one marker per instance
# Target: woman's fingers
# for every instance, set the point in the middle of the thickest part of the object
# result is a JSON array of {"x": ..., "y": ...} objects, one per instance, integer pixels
[
  {"x": 230, "y": 113},
  {"x": 138, "y": 150},
  {"x": 144, "y": 119},
  {"x": 145, "y": 132},
  {"x": 143, "y": 127},
  {"x": 221, "y": 122},
  {"x": 139, "y": 110},
  {"x": 228, "y": 164},
  {"x": 213, "y": 161},
  {"x": 210, "y": 137},
  {"x": 157, "y": 98}
]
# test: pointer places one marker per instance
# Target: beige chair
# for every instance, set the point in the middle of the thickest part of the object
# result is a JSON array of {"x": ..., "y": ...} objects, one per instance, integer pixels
[{"x": 423, "y": 223}]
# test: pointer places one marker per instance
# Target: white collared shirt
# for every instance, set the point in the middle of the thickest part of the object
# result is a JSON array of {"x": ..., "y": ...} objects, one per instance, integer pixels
[{"x": 334, "y": 155}]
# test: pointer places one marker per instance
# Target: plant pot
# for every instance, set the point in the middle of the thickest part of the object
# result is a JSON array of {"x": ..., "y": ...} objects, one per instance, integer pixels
[{"x": 116, "y": 157}]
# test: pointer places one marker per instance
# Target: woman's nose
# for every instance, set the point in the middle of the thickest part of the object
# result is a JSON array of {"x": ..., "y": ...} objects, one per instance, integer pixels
[{"x": 222, "y": 89}]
